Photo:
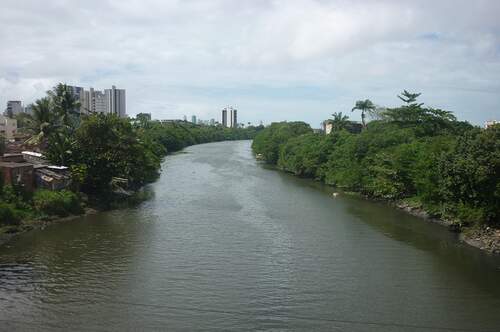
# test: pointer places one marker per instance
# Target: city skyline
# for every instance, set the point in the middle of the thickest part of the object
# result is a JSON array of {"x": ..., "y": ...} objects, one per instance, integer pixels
[{"x": 277, "y": 60}]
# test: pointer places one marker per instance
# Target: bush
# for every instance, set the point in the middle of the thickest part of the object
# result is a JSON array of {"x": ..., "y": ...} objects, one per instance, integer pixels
[
  {"x": 59, "y": 203},
  {"x": 8, "y": 214}
]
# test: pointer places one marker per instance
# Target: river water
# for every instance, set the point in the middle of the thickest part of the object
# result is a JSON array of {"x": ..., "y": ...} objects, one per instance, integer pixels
[{"x": 228, "y": 244}]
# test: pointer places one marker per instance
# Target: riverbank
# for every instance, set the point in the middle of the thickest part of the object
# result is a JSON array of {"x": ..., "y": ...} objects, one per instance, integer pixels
[
  {"x": 429, "y": 163},
  {"x": 485, "y": 238},
  {"x": 89, "y": 206},
  {"x": 8, "y": 233}
]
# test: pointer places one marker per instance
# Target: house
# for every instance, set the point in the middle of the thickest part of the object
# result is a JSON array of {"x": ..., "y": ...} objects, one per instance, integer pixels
[
  {"x": 30, "y": 169},
  {"x": 8, "y": 127},
  {"x": 327, "y": 127},
  {"x": 489, "y": 124},
  {"x": 17, "y": 174},
  {"x": 12, "y": 157},
  {"x": 34, "y": 157},
  {"x": 351, "y": 126},
  {"x": 52, "y": 177}
]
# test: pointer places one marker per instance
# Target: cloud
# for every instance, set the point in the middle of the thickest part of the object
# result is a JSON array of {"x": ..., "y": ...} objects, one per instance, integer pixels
[{"x": 276, "y": 60}]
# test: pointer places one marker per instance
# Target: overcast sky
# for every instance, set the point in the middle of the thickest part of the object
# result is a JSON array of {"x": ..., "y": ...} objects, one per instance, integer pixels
[{"x": 273, "y": 60}]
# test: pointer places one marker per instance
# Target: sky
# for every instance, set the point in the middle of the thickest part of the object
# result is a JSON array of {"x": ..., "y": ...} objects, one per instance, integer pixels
[{"x": 273, "y": 60}]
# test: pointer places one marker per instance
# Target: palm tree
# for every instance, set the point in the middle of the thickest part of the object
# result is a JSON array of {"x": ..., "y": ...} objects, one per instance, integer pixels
[
  {"x": 365, "y": 106},
  {"x": 339, "y": 121},
  {"x": 40, "y": 124},
  {"x": 66, "y": 105}
]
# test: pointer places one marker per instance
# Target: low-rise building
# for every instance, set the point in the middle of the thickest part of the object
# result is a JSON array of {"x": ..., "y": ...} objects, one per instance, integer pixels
[
  {"x": 17, "y": 174},
  {"x": 350, "y": 126},
  {"x": 52, "y": 177},
  {"x": 31, "y": 170},
  {"x": 491, "y": 123},
  {"x": 12, "y": 158},
  {"x": 34, "y": 157},
  {"x": 327, "y": 127},
  {"x": 8, "y": 127}
]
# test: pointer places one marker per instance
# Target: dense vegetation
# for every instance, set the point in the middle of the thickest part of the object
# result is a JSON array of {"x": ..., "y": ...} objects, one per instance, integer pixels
[
  {"x": 416, "y": 154},
  {"x": 98, "y": 148}
]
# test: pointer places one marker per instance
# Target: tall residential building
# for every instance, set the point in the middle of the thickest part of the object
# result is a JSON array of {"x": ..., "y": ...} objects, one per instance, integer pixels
[
  {"x": 14, "y": 107},
  {"x": 98, "y": 102},
  {"x": 224, "y": 117},
  {"x": 193, "y": 119},
  {"x": 79, "y": 94},
  {"x": 234, "y": 118},
  {"x": 85, "y": 103},
  {"x": 115, "y": 101}
]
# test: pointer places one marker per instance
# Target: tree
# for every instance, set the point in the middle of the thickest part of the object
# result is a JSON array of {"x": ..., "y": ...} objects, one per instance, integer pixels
[
  {"x": 55, "y": 119},
  {"x": 366, "y": 107},
  {"x": 41, "y": 122},
  {"x": 268, "y": 143},
  {"x": 409, "y": 98},
  {"x": 143, "y": 119},
  {"x": 339, "y": 121},
  {"x": 65, "y": 105},
  {"x": 110, "y": 147}
]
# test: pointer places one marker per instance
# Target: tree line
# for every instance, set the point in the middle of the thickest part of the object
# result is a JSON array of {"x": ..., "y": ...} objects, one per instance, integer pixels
[
  {"x": 98, "y": 148},
  {"x": 412, "y": 153}
]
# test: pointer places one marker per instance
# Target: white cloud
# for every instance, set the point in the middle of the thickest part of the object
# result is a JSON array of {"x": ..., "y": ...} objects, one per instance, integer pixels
[{"x": 183, "y": 57}]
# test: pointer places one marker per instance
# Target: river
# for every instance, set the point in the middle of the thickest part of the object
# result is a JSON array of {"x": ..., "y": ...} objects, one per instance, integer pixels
[{"x": 228, "y": 244}]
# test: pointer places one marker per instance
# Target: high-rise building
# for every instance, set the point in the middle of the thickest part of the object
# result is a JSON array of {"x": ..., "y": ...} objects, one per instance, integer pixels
[
  {"x": 212, "y": 122},
  {"x": 193, "y": 119},
  {"x": 115, "y": 101},
  {"x": 98, "y": 102},
  {"x": 14, "y": 107},
  {"x": 79, "y": 94},
  {"x": 224, "y": 117},
  {"x": 85, "y": 104},
  {"x": 234, "y": 118}
]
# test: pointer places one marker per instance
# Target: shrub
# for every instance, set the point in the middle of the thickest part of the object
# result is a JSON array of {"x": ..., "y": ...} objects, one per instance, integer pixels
[
  {"x": 8, "y": 214},
  {"x": 59, "y": 203}
]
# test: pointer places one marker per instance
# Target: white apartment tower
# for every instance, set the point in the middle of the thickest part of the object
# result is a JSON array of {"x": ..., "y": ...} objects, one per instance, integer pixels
[
  {"x": 111, "y": 101},
  {"x": 115, "y": 101},
  {"x": 234, "y": 118},
  {"x": 97, "y": 101}
]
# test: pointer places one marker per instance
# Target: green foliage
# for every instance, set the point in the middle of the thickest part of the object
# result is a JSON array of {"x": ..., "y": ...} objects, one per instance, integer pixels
[
  {"x": 8, "y": 214},
  {"x": 109, "y": 147},
  {"x": 339, "y": 121},
  {"x": 23, "y": 120},
  {"x": 417, "y": 154},
  {"x": 471, "y": 175},
  {"x": 269, "y": 141},
  {"x": 409, "y": 98},
  {"x": 57, "y": 203},
  {"x": 366, "y": 107}
]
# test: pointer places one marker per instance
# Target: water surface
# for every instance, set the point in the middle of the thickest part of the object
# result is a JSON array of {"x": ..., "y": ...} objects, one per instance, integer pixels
[{"x": 226, "y": 244}]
